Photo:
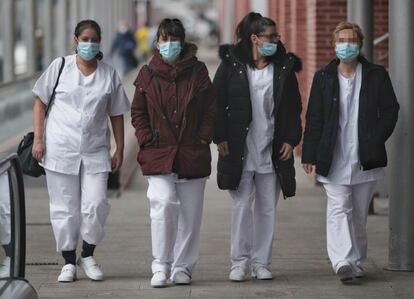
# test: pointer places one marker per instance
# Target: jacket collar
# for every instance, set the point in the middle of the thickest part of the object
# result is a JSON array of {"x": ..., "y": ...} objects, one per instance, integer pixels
[
  {"x": 332, "y": 67},
  {"x": 170, "y": 71}
]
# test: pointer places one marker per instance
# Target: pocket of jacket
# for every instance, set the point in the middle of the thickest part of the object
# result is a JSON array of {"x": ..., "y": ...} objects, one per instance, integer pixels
[{"x": 153, "y": 142}]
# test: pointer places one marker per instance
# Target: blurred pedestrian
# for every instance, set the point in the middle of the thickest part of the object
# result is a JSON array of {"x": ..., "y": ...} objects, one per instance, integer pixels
[
  {"x": 258, "y": 125},
  {"x": 141, "y": 35},
  {"x": 352, "y": 111},
  {"x": 73, "y": 146},
  {"x": 124, "y": 43},
  {"x": 173, "y": 114}
]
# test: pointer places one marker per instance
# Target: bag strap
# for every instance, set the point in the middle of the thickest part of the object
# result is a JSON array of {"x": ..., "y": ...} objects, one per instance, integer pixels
[{"x": 52, "y": 97}]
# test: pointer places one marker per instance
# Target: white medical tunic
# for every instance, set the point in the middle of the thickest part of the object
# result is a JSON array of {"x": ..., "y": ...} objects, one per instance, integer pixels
[
  {"x": 259, "y": 140},
  {"x": 346, "y": 168},
  {"x": 77, "y": 129}
]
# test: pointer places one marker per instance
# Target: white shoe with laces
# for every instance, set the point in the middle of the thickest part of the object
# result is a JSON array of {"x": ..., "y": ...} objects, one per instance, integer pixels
[
  {"x": 91, "y": 268},
  {"x": 159, "y": 280},
  {"x": 68, "y": 273},
  {"x": 262, "y": 273},
  {"x": 5, "y": 268}
]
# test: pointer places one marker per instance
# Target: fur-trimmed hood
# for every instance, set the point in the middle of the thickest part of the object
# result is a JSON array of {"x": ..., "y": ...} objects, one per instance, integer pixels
[{"x": 233, "y": 53}]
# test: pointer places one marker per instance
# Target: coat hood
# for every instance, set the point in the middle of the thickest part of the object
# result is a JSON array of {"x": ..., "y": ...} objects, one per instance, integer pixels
[
  {"x": 170, "y": 71},
  {"x": 231, "y": 52}
]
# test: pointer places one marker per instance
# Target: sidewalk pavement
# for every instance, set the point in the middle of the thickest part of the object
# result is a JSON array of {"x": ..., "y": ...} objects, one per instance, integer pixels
[{"x": 300, "y": 265}]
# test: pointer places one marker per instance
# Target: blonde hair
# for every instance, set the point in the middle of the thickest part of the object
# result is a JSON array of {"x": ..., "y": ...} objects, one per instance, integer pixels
[{"x": 348, "y": 25}]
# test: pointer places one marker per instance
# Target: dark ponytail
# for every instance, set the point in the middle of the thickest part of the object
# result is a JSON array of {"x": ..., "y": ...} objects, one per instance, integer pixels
[
  {"x": 252, "y": 23},
  {"x": 89, "y": 24}
]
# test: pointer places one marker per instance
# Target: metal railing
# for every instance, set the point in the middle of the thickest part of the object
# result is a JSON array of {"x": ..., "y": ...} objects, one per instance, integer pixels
[{"x": 11, "y": 165}]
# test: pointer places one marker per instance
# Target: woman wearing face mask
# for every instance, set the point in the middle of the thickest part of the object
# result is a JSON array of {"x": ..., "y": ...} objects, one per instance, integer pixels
[
  {"x": 257, "y": 126},
  {"x": 173, "y": 114},
  {"x": 352, "y": 111},
  {"x": 73, "y": 146}
]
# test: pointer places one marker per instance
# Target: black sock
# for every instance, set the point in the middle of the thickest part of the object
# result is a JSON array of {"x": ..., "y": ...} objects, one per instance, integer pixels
[
  {"x": 69, "y": 256},
  {"x": 7, "y": 249},
  {"x": 87, "y": 249}
]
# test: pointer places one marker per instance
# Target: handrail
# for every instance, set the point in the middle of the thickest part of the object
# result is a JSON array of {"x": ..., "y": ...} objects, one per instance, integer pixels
[
  {"x": 381, "y": 38},
  {"x": 17, "y": 208}
]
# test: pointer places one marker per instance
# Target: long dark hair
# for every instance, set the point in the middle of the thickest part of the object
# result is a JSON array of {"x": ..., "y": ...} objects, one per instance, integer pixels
[
  {"x": 89, "y": 24},
  {"x": 252, "y": 23}
]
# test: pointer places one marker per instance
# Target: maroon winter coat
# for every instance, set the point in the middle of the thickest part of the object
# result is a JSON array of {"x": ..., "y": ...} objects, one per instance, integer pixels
[{"x": 173, "y": 114}]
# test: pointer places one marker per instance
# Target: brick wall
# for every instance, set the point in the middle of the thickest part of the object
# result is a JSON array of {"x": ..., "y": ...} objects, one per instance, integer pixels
[
  {"x": 242, "y": 8},
  {"x": 380, "y": 28}
]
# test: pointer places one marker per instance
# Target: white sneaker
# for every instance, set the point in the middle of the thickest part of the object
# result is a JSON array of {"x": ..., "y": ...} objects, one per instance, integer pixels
[
  {"x": 159, "y": 280},
  {"x": 262, "y": 273},
  {"x": 68, "y": 273},
  {"x": 344, "y": 271},
  {"x": 182, "y": 278},
  {"x": 5, "y": 268},
  {"x": 237, "y": 274},
  {"x": 359, "y": 272},
  {"x": 91, "y": 268}
]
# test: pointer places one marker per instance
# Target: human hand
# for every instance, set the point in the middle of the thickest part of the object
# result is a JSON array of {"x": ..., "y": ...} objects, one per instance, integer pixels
[{"x": 223, "y": 149}]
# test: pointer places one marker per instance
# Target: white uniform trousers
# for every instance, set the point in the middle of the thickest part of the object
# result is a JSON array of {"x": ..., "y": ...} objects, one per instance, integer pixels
[
  {"x": 252, "y": 232},
  {"x": 176, "y": 212},
  {"x": 78, "y": 204},
  {"x": 346, "y": 215}
]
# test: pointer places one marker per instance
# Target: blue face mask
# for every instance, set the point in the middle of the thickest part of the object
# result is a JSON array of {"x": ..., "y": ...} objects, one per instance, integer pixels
[
  {"x": 347, "y": 52},
  {"x": 268, "y": 49},
  {"x": 88, "y": 51},
  {"x": 170, "y": 50}
]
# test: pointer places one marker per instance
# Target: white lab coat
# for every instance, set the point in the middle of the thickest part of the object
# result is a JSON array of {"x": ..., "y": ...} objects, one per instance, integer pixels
[
  {"x": 77, "y": 128},
  {"x": 259, "y": 139}
]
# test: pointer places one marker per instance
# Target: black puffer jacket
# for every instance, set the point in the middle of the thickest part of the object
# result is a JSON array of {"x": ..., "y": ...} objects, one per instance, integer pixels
[
  {"x": 234, "y": 114},
  {"x": 377, "y": 116}
]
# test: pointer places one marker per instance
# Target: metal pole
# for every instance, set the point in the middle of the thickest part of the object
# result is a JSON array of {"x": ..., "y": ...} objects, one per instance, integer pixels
[
  {"x": 61, "y": 37},
  {"x": 29, "y": 31},
  {"x": 7, "y": 26},
  {"x": 48, "y": 34},
  {"x": 228, "y": 19},
  {"x": 401, "y": 169},
  {"x": 360, "y": 12}
]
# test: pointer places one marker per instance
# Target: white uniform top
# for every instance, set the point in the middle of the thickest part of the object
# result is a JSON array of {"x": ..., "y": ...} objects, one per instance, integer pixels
[
  {"x": 346, "y": 168},
  {"x": 258, "y": 151},
  {"x": 77, "y": 128}
]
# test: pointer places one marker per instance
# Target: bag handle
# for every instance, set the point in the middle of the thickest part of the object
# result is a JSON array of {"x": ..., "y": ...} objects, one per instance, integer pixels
[{"x": 52, "y": 97}]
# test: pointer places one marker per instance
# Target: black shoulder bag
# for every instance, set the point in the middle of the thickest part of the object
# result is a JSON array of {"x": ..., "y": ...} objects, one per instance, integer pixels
[{"x": 30, "y": 165}]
